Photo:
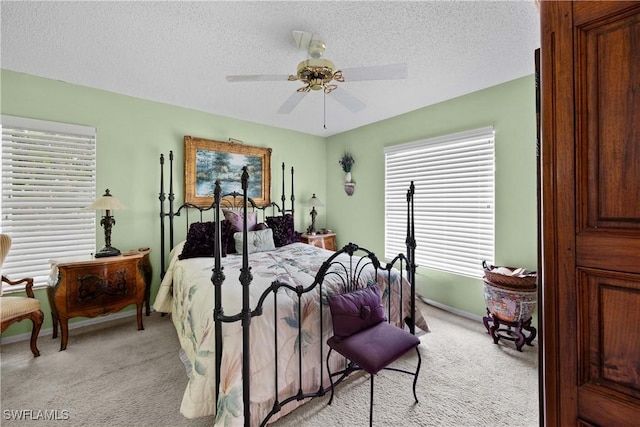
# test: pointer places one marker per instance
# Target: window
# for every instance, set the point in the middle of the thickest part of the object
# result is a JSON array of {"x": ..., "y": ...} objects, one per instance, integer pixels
[
  {"x": 48, "y": 177},
  {"x": 454, "y": 200}
]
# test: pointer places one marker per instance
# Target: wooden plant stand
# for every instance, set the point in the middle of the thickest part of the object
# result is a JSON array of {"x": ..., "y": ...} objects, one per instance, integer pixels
[{"x": 498, "y": 328}]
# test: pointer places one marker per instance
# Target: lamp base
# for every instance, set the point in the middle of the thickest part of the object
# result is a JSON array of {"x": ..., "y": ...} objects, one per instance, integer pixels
[{"x": 107, "y": 251}]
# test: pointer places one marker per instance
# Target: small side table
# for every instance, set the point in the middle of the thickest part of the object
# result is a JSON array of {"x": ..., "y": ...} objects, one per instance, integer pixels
[
  {"x": 90, "y": 287},
  {"x": 325, "y": 241}
]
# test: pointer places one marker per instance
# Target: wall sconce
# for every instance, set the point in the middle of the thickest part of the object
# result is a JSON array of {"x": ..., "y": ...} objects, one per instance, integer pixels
[
  {"x": 313, "y": 202},
  {"x": 346, "y": 162},
  {"x": 349, "y": 188},
  {"x": 107, "y": 203}
]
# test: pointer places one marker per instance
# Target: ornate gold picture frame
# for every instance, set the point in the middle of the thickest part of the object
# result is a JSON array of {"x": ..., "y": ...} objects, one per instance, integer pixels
[{"x": 206, "y": 161}]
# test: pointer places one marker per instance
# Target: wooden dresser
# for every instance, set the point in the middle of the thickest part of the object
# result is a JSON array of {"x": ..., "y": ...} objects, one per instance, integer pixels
[
  {"x": 325, "y": 241},
  {"x": 91, "y": 287}
]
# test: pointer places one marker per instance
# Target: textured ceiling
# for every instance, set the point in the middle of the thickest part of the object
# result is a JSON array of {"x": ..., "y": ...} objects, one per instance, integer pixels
[{"x": 180, "y": 52}]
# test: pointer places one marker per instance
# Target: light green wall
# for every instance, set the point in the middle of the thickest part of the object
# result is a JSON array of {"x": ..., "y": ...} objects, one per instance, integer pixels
[
  {"x": 131, "y": 135},
  {"x": 133, "y": 132},
  {"x": 510, "y": 108}
]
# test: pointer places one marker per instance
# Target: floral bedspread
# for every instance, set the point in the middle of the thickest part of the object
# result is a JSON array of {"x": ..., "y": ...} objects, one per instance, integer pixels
[{"x": 190, "y": 300}]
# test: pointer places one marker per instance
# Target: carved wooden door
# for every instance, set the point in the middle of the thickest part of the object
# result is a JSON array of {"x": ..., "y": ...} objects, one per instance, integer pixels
[{"x": 590, "y": 59}]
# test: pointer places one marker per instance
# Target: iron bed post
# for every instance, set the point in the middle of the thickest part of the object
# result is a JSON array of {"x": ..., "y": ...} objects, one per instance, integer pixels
[
  {"x": 293, "y": 197},
  {"x": 171, "y": 199},
  {"x": 411, "y": 253},
  {"x": 217, "y": 279},
  {"x": 245, "y": 281},
  {"x": 299, "y": 292},
  {"x": 276, "y": 403},
  {"x": 320, "y": 391},
  {"x": 162, "y": 199},
  {"x": 283, "y": 197}
]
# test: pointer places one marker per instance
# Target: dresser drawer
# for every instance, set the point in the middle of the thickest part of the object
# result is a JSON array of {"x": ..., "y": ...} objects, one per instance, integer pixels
[{"x": 91, "y": 287}]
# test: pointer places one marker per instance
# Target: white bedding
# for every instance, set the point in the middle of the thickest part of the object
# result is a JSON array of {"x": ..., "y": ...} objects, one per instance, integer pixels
[{"x": 187, "y": 292}]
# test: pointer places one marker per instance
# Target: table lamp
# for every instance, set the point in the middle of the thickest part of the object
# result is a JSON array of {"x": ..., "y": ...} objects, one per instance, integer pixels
[
  {"x": 107, "y": 203},
  {"x": 313, "y": 202}
]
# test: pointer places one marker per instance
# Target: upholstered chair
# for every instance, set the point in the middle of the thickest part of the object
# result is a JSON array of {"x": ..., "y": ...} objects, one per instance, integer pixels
[
  {"x": 362, "y": 334},
  {"x": 15, "y": 309}
]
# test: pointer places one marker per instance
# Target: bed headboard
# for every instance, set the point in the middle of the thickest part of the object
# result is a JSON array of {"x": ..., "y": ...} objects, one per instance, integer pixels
[{"x": 192, "y": 213}]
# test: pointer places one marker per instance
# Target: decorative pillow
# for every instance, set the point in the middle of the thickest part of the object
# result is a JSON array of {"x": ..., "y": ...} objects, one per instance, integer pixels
[
  {"x": 260, "y": 226},
  {"x": 257, "y": 241},
  {"x": 354, "y": 311},
  {"x": 283, "y": 231},
  {"x": 236, "y": 218},
  {"x": 200, "y": 240}
]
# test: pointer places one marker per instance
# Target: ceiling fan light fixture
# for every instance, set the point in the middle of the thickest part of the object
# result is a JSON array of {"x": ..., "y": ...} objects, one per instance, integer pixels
[{"x": 316, "y": 73}]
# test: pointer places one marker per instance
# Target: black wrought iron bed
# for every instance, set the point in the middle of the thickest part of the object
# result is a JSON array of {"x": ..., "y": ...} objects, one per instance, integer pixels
[{"x": 282, "y": 317}]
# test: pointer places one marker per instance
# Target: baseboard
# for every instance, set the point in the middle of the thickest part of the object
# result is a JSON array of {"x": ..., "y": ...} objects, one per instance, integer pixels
[
  {"x": 49, "y": 331},
  {"x": 452, "y": 310}
]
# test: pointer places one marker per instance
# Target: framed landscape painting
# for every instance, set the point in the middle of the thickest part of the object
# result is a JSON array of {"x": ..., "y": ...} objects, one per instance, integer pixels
[{"x": 206, "y": 161}]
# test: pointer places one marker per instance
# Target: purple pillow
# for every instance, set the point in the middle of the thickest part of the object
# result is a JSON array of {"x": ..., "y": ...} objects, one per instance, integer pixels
[
  {"x": 283, "y": 231},
  {"x": 354, "y": 311},
  {"x": 236, "y": 218},
  {"x": 200, "y": 240}
]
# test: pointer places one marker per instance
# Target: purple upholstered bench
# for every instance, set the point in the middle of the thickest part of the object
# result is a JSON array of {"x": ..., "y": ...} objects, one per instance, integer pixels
[{"x": 363, "y": 335}]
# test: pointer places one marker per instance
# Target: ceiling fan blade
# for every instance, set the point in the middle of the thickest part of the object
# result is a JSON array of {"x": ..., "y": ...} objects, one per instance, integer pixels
[
  {"x": 375, "y": 72},
  {"x": 258, "y": 78},
  {"x": 352, "y": 103},
  {"x": 292, "y": 102}
]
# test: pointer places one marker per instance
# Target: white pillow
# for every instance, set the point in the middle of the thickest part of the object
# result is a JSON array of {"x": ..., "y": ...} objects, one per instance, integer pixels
[{"x": 257, "y": 241}]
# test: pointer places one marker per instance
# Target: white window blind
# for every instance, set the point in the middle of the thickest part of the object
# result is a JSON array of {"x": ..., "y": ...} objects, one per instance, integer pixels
[
  {"x": 454, "y": 200},
  {"x": 48, "y": 177}
]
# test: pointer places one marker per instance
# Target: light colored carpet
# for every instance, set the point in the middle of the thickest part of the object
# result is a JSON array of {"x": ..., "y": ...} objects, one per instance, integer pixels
[{"x": 113, "y": 375}]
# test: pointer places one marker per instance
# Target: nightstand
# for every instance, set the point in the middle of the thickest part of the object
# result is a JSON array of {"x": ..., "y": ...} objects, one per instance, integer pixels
[
  {"x": 325, "y": 241},
  {"x": 90, "y": 287}
]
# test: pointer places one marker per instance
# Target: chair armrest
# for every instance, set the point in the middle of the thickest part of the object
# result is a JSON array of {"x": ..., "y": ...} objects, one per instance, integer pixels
[{"x": 28, "y": 287}]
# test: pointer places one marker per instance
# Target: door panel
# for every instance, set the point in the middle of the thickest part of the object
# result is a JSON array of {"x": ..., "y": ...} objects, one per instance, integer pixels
[
  {"x": 616, "y": 413},
  {"x": 611, "y": 309},
  {"x": 608, "y": 76}
]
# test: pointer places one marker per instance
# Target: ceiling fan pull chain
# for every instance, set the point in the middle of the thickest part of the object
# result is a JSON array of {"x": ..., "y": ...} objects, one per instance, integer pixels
[{"x": 324, "y": 107}]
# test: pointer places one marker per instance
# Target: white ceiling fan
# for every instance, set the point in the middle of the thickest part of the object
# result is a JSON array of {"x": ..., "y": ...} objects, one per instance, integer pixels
[{"x": 318, "y": 73}]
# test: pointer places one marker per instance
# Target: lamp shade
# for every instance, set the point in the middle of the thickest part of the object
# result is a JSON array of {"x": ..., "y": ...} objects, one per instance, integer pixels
[
  {"x": 106, "y": 202},
  {"x": 314, "y": 201}
]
